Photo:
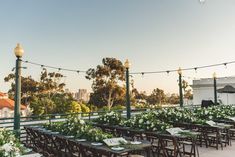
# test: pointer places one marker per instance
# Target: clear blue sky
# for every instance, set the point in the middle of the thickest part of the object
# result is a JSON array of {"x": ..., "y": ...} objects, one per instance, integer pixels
[{"x": 152, "y": 34}]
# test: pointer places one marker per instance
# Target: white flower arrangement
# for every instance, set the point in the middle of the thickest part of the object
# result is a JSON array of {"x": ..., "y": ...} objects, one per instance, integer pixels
[
  {"x": 78, "y": 128},
  {"x": 110, "y": 118},
  {"x": 147, "y": 121},
  {"x": 9, "y": 145}
]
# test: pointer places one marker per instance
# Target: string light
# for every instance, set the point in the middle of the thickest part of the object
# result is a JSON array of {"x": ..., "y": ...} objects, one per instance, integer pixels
[
  {"x": 53, "y": 67},
  {"x": 142, "y": 74},
  {"x": 185, "y": 69},
  {"x": 168, "y": 72},
  {"x": 225, "y": 64},
  {"x": 136, "y": 73}
]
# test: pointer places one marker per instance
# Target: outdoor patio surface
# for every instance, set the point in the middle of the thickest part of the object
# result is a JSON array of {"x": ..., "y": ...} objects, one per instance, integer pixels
[{"x": 228, "y": 151}]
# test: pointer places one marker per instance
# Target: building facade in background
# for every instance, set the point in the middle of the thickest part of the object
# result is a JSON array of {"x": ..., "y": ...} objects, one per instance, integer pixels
[
  {"x": 203, "y": 89},
  {"x": 82, "y": 95},
  {"x": 7, "y": 107}
]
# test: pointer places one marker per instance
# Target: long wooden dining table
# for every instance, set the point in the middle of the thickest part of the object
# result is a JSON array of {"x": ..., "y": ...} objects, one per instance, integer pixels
[
  {"x": 143, "y": 134},
  {"x": 50, "y": 137}
]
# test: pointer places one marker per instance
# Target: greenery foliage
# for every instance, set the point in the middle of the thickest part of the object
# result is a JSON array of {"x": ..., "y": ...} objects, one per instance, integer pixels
[
  {"x": 47, "y": 95},
  {"x": 106, "y": 82},
  {"x": 147, "y": 121},
  {"x": 9, "y": 145},
  {"x": 162, "y": 119},
  {"x": 78, "y": 128},
  {"x": 110, "y": 118}
]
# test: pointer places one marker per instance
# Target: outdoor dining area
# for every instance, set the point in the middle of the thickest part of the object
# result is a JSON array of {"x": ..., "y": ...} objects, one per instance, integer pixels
[{"x": 162, "y": 132}]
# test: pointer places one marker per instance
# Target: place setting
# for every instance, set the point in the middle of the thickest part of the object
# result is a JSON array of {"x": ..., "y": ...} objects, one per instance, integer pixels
[{"x": 81, "y": 140}]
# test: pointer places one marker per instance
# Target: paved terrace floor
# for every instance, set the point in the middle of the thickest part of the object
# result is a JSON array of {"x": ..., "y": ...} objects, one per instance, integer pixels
[{"x": 228, "y": 151}]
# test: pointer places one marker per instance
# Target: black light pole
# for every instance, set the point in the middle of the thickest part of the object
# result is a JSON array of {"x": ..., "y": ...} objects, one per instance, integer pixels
[
  {"x": 180, "y": 87},
  {"x": 19, "y": 53},
  {"x": 215, "y": 88},
  {"x": 128, "y": 103}
]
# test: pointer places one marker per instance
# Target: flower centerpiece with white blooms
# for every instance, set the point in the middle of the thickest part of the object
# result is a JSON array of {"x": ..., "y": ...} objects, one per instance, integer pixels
[
  {"x": 110, "y": 118},
  {"x": 147, "y": 121},
  {"x": 75, "y": 126},
  {"x": 9, "y": 144}
]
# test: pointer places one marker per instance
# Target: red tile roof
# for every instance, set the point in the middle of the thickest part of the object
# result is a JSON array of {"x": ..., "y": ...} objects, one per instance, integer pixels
[
  {"x": 2, "y": 94},
  {"x": 8, "y": 103}
]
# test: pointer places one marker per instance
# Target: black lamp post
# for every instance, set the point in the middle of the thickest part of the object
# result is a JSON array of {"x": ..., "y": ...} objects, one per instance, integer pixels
[
  {"x": 128, "y": 103},
  {"x": 215, "y": 88},
  {"x": 19, "y": 53},
  {"x": 180, "y": 87}
]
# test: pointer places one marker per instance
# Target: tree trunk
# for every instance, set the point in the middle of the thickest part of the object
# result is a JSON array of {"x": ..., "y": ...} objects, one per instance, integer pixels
[{"x": 110, "y": 100}]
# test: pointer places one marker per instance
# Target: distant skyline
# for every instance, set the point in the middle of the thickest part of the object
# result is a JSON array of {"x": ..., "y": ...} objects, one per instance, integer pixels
[{"x": 153, "y": 34}]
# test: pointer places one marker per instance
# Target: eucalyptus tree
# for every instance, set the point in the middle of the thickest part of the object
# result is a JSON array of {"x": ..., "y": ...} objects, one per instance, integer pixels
[
  {"x": 108, "y": 82},
  {"x": 157, "y": 97}
]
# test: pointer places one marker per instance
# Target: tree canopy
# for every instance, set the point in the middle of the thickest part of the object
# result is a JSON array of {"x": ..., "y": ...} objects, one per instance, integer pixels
[
  {"x": 45, "y": 96},
  {"x": 107, "y": 83},
  {"x": 157, "y": 97}
]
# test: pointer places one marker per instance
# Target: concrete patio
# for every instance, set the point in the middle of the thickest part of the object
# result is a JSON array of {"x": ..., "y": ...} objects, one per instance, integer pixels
[{"x": 228, "y": 151}]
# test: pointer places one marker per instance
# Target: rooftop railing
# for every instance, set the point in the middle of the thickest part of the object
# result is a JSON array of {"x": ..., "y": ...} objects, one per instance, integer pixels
[{"x": 42, "y": 119}]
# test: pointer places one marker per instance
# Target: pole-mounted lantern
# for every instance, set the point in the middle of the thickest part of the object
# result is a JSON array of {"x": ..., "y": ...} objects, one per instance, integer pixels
[
  {"x": 215, "y": 88},
  {"x": 19, "y": 51},
  {"x": 180, "y": 87}
]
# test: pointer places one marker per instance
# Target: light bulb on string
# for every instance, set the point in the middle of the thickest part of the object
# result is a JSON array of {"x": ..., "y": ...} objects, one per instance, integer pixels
[
  {"x": 196, "y": 72},
  {"x": 168, "y": 73},
  {"x": 226, "y": 71},
  {"x": 225, "y": 65},
  {"x": 142, "y": 74},
  {"x": 42, "y": 67}
]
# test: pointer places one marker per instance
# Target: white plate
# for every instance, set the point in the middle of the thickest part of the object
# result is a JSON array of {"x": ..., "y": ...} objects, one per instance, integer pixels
[
  {"x": 69, "y": 136},
  {"x": 36, "y": 126},
  {"x": 48, "y": 130},
  {"x": 81, "y": 140},
  {"x": 136, "y": 142},
  {"x": 117, "y": 148},
  {"x": 42, "y": 129},
  {"x": 97, "y": 144}
]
